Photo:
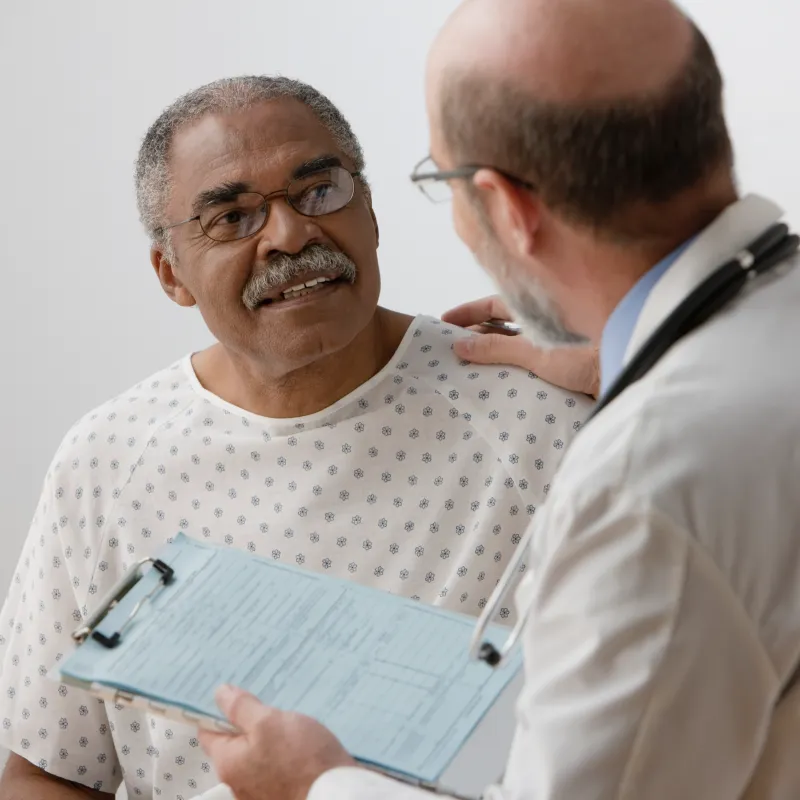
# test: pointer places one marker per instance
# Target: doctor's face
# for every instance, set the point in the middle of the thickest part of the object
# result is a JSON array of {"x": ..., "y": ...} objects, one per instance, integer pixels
[
  {"x": 522, "y": 285},
  {"x": 526, "y": 296},
  {"x": 524, "y": 293}
]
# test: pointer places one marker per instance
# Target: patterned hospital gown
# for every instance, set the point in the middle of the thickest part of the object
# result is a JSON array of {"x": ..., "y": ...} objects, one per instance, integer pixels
[{"x": 422, "y": 483}]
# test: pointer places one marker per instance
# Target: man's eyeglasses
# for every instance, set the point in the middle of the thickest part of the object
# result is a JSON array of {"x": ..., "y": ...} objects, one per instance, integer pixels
[
  {"x": 244, "y": 214},
  {"x": 434, "y": 183}
]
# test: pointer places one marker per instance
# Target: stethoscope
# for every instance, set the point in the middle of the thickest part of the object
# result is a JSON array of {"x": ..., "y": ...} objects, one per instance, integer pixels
[{"x": 773, "y": 247}]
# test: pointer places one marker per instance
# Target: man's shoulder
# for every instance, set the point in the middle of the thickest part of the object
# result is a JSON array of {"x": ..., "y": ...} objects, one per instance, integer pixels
[
  {"x": 113, "y": 434},
  {"x": 429, "y": 358},
  {"x": 428, "y": 349},
  {"x": 429, "y": 354}
]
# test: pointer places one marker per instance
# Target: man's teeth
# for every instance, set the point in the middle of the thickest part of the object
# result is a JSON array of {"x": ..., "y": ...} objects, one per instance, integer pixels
[{"x": 304, "y": 288}]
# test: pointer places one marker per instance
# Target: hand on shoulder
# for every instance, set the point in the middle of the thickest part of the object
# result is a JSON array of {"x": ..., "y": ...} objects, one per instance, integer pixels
[{"x": 576, "y": 369}]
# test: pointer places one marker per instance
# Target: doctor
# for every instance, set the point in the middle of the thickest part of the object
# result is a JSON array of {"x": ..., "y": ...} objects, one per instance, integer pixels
[{"x": 664, "y": 605}]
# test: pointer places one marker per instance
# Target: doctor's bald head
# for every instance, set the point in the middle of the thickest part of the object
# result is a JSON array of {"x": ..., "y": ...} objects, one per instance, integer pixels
[
  {"x": 611, "y": 109},
  {"x": 582, "y": 141}
]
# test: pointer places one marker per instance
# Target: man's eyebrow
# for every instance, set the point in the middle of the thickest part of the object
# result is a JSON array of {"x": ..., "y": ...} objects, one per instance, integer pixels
[
  {"x": 223, "y": 193},
  {"x": 315, "y": 164}
]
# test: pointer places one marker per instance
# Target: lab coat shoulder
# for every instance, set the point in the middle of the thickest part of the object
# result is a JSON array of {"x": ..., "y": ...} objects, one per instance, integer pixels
[
  {"x": 708, "y": 440},
  {"x": 684, "y": 442}
]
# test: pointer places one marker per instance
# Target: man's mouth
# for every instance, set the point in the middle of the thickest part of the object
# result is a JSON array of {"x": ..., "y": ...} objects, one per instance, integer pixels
[{"x": 302, "y": 289}]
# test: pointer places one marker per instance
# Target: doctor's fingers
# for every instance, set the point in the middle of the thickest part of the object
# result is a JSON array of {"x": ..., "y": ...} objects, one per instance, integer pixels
[
  {"x": 576, "y": 369},
  {"x": 471, "y": 314},
  {"x": 498, "y": 348}
]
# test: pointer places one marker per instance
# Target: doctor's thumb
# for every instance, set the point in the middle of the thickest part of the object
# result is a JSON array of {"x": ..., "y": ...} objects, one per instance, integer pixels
[{"x": 241, "y": 708}]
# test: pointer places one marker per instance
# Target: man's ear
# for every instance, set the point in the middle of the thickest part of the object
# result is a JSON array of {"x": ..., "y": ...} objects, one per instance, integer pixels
[
  {"x": 514, "y": 211},
  {"x": 377, "y": 227},
  {"x": 170, "y": 282}
]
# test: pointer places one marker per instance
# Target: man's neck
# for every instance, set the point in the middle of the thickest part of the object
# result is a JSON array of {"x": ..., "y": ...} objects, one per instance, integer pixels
[{"x": 308, "y": 389}]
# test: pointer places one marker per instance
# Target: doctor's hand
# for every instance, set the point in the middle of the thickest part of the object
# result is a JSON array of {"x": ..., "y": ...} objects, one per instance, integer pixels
[
  {"x": 576, "y": 369},
  {"x": 278, "y": 756}
]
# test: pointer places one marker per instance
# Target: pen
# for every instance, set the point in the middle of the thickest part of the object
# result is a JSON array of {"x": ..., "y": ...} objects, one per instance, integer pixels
[{"x": 501, "y": 324}]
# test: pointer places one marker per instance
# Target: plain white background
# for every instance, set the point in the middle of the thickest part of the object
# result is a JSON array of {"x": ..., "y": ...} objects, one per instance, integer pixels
[{"x": 82, "y": 314}]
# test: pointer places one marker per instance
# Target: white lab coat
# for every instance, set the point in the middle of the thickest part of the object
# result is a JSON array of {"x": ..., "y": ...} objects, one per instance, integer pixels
[{"x": 664, "y": 592}]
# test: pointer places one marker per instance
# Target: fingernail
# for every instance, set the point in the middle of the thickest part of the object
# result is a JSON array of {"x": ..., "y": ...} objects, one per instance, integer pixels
[{"x": 464, "y": 346}]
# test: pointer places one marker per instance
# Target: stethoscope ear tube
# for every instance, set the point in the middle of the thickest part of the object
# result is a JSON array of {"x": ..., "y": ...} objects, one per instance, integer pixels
[{"x": 480, "y": 648}]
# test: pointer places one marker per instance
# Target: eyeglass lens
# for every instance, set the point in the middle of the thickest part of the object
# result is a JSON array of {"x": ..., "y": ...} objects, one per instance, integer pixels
[
  {"x": 321, "y": 192},
  {"x": 435, "y": 190}
]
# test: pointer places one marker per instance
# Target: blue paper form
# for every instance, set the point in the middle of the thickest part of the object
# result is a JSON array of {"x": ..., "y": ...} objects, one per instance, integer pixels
[{"x": 389, "y": 676}]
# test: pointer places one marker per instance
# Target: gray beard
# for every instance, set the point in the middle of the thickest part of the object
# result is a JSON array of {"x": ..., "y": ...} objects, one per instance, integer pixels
[
  {"x": 284, "y": 267},
  {"x": 539, "y": 319},
  {"x": 530, "y": 305}
]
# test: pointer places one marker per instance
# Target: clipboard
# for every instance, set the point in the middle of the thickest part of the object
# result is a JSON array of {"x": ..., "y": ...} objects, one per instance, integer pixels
[
  {"x": 118, "y": 696},
  {"x": 390, "y": 676}
]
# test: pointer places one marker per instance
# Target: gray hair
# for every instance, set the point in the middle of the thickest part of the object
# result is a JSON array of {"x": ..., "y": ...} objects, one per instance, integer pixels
[{"x": 153, "y": 178}]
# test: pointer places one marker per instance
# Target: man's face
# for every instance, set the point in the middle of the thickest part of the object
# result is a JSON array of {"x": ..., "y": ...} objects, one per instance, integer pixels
[{"x": 261, "y": 150}]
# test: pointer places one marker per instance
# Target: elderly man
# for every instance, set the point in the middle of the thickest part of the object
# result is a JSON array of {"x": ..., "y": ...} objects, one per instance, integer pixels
[
  {"x": 592, "y": 173},
  {"x": 321, "y": 430}
]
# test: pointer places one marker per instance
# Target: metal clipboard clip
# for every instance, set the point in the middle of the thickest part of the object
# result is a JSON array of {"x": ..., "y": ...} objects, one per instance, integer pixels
[{"x": 123, "y": 586}]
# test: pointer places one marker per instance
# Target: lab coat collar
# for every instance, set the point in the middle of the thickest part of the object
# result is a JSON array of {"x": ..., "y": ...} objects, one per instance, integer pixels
[{"x": 729, "y": 233}]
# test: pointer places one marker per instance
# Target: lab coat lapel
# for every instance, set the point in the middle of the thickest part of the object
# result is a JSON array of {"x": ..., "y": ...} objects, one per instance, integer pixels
[{"x": 731, "y": 232}]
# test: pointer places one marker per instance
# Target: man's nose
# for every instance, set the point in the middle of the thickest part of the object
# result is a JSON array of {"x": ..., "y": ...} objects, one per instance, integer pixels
[{"x": 287, "y": 231}]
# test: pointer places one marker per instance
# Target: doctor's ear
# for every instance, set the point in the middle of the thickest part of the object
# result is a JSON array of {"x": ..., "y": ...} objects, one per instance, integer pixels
[
  {"x": 169, "y": 280},
  {"x": 513, "y": 210}
]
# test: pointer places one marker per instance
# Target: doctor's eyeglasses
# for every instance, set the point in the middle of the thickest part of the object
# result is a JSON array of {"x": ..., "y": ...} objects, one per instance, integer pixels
[{"x": 435, "y": 183}]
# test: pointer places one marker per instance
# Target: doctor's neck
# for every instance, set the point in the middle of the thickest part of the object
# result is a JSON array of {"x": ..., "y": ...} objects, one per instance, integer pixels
[{"x": 604, "y": 269}]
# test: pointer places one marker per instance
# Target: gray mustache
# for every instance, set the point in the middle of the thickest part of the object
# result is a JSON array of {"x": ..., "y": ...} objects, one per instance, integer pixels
[{"x": 285, "y": 266}]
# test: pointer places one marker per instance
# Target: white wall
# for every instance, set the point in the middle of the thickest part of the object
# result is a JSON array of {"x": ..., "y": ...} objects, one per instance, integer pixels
[{"x": 83, "y": 316}]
